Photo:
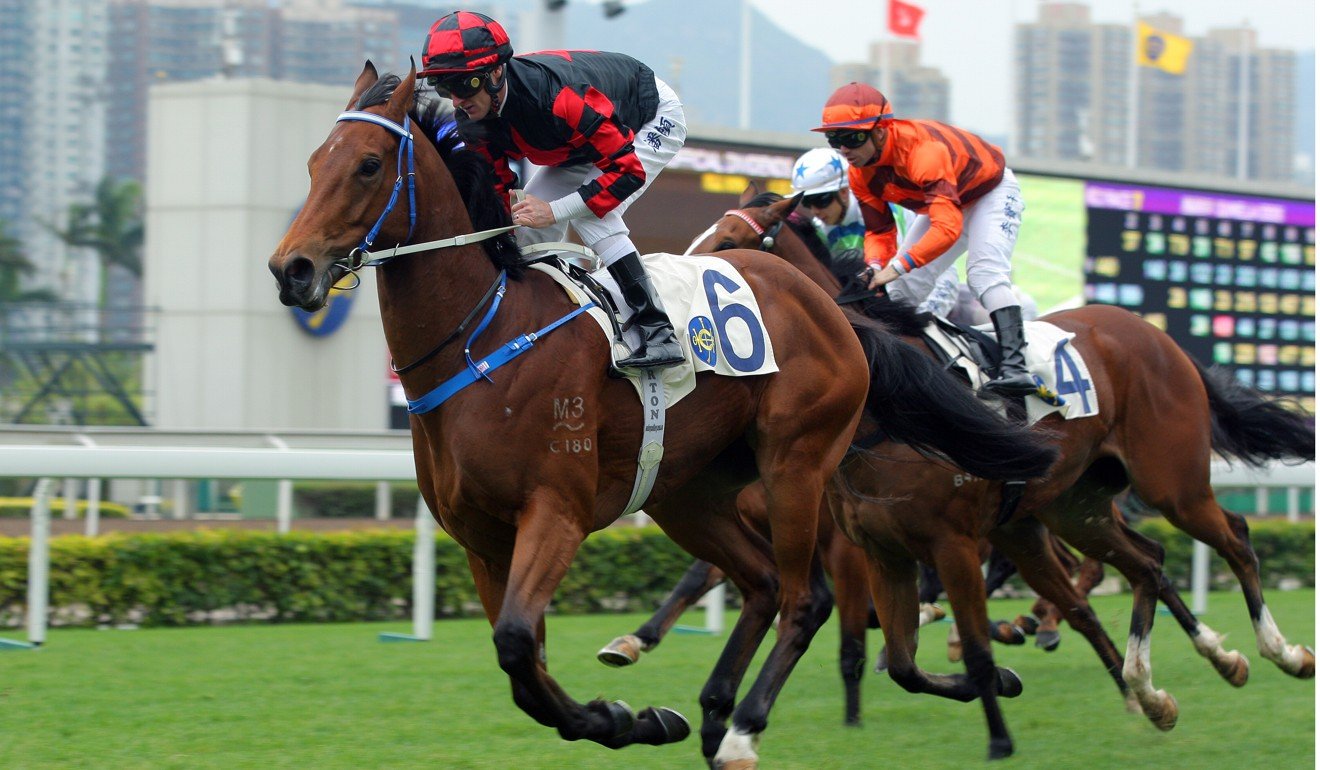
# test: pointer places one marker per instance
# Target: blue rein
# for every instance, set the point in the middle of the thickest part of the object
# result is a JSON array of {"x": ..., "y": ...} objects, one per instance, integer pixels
[{"x": 474, "y": 370}]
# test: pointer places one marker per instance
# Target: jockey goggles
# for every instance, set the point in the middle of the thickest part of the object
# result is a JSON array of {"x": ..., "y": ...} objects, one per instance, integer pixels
[
  {"x": 464, "y": 85},
  {"x": 819, "y": 200},
  {"x": 850, "y": 139}
]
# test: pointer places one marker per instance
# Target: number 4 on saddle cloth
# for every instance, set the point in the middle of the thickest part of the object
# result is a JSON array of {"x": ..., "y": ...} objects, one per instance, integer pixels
[{"x": 1064, "y": 384}]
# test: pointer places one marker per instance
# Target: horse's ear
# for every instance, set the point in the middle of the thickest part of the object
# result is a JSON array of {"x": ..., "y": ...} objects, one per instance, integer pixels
[
  {"x": 779, "y": 210},
  {"x": 401, "y": 101},
  {"x": 752, "y": 190},
  {"x": 366, "y": 80}
]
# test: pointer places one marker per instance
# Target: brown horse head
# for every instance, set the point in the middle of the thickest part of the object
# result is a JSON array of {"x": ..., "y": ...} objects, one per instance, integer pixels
[
  {"x": 757, "y": 215},
  {"x": 352, "y": 175}
]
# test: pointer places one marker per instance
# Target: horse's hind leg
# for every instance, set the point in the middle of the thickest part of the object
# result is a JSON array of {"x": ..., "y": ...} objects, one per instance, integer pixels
[
  {"x": 1226, "y": 532},
  {"x": 1028, "y": 543},
  {"x": 1177, "y": 483},
  {"x": 1230, "y": 664},
  {"x": 626, "y": 650},
  {"x": 1082, "y": 516}
]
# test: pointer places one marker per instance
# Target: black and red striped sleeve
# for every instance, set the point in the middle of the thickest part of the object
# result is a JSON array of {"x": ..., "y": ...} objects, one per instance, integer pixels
[{"x": 593, "y": 127}]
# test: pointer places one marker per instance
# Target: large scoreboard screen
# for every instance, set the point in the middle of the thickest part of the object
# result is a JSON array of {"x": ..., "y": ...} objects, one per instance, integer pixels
[{"x": 1231, "y": 278}]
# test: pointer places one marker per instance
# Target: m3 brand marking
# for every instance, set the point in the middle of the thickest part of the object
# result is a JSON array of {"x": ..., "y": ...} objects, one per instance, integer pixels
[{"x": 568, "y": 414}]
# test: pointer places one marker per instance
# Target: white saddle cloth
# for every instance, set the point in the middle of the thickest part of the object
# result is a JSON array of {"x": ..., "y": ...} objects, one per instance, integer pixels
[
  {"x": 1061, "y": 373},
  {"x": 715, "y": 315}
]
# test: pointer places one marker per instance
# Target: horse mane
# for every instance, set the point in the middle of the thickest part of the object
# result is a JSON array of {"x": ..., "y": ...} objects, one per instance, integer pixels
[
  {"x": 898, "y": 317},
  {"x": 473, "y": 176}
]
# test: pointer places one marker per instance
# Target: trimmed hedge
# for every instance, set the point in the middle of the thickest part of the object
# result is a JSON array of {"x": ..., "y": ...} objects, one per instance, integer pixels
[
  {"x": 21, "y": 508},
  {"x": 1286, "y": 552},
  {"x": 211, "y": 576}
]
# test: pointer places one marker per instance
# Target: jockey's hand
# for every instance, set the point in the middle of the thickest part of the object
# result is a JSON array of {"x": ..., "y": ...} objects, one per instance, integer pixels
[
  {"x": 532, "y": 212},
  {"x": 877, "y": 278}
]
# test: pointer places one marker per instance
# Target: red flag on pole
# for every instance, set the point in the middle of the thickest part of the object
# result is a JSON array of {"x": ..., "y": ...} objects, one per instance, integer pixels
[{"x": 904, "y": 18}]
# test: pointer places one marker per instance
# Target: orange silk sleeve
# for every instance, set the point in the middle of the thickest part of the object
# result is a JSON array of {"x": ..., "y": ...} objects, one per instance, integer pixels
[{"x": 881, "y": 241}]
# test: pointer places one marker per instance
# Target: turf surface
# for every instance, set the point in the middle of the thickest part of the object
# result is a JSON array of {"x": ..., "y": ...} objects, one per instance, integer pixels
[{"x": 331, "y": 696}]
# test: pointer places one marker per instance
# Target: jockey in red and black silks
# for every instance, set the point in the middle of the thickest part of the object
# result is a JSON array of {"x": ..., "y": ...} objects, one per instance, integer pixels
[{"x": 600, "y": 125}]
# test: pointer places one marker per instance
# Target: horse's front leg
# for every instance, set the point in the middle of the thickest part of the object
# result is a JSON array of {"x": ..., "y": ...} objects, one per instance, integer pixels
[
  {"x": 805, "y": 603},
  {"x": 548, "y": 538}
]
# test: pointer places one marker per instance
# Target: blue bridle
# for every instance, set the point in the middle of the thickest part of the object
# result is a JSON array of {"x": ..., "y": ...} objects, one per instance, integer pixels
[{"x": 356, "y": 256}]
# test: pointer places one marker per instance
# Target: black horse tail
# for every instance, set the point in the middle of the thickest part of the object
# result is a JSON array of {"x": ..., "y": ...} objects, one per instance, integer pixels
[
  {"x": 1251, "y": 427},
  {"x": 918, "y": 403}
]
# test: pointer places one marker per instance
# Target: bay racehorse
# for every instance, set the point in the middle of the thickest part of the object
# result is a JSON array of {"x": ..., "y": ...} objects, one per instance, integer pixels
[
  {"x": 486, "y": 455},
  {"x": 1161, "y": 418}
]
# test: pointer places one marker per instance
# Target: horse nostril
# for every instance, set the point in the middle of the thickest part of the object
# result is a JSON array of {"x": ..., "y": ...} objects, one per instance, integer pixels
[{"x": 300, "y": 271}]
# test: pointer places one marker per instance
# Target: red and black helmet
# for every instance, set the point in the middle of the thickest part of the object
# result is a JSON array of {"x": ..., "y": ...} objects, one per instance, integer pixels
[{"x": 464, "y": 41}]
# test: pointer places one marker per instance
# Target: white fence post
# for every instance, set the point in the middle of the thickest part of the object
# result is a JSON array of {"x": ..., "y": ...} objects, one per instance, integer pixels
[
  {"x": 383, "y": 501},
  {"x": 70, "y": 490},
  {"x": 92, "y": 525},
  {"x": 715, "y": 609},
  {"x": 38, "y": 593},
  {"x": 424, "y": 573}
]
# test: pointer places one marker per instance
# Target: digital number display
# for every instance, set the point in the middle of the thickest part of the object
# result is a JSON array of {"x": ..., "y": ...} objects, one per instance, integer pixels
[{"x": 1230, "y": 278}]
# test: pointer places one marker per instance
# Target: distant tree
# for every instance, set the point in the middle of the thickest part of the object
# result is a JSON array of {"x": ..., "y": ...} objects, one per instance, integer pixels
[
  {"x": 14, "y": 264},
  {"x": 110, "y": 225}
]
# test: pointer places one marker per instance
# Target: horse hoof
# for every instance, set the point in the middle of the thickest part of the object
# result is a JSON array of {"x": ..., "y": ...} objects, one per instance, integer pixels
[
  {"x": 658, "y": 726},
  {"x": 1235, "y": 669},
  {"x": 930, "y": 613},
  {"x": 1307, "y": 669},
  {"x": 624, "y": 718},
  {"x": 1027, "y": 623},
  {"x": 1048, "y": 640},
  {"x": 1006, "y": 633},
  {"x": 1001, "y": 748},
  {"x": 955, "y": 652},
  {"x": 1165, "y": 717},
  {"x": 1010, "y": 686},
  {"x": 624, "y": 651}
]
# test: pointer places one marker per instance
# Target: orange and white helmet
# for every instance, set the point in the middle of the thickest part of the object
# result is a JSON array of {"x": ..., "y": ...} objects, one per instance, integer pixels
[{"x": 855, "y": 106}]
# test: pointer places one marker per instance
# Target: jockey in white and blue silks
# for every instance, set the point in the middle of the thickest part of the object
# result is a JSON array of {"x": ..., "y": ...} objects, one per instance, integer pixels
[{"x": 822, "y": 175}]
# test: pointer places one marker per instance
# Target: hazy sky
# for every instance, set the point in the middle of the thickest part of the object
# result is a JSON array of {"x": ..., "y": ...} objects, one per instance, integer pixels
[{"x": 971, "y": 40}]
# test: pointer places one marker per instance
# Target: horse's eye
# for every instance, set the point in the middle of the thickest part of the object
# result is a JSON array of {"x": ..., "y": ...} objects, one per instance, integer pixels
[
  {"x": 725, "y": 245},
  {"x": 369, "y": 167}
]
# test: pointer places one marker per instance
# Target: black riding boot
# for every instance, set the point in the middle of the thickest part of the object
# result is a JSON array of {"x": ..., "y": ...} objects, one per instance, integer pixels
[
  {"x": 659, "y": 345},
  {"x": 1013, "y": 379}
]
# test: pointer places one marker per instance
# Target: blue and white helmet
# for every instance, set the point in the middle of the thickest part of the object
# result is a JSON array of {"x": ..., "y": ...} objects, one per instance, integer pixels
[{"x": 820, "y": 170}]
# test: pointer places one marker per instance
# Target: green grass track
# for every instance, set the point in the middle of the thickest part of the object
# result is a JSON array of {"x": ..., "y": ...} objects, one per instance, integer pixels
[{"x": 331, "y": 696}]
